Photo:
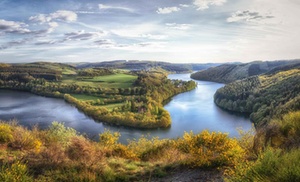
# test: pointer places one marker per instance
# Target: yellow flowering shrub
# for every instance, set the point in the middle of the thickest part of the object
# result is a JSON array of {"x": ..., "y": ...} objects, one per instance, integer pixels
[
  {"x": 210, "y": 149},
  {"x": 5, "y": 133},
  {"x": 17, "y": 172}
]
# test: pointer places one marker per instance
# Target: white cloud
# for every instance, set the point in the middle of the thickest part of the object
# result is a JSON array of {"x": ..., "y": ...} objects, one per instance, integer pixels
[
  {"x": 178, "y": 26},
  {"x": 167, "y": 10},
  {"x": 204, "y": 4},
  {"x": 247, "y": 16},
  {"x": 154, "y": 37},
  {"x": 107, "y": 7},
  {"x": 13, "y": 27},
  {"x": 64, "y": 15},
  {"x": 82, "y": 35},
  {"x": 184, "y": 5},
  {"x": 135, "y": 31}
]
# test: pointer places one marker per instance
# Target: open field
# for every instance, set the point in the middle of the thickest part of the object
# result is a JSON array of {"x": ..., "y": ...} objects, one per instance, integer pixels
[
  {"x": 108, "y": 81},
  {"x": 85, "y": 97}
]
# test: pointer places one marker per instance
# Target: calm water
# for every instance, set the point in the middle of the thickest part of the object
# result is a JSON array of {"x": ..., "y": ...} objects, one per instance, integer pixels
[{"x": 192, "y": 110}]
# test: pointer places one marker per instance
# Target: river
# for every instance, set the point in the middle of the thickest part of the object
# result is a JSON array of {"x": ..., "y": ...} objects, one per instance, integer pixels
[{"x": 190, "y": 111}]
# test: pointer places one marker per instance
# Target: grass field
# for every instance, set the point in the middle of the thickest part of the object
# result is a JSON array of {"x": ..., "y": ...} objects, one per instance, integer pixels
[
  {"x": 85, "y": 97},
  {"x": 109, "y": 81}
]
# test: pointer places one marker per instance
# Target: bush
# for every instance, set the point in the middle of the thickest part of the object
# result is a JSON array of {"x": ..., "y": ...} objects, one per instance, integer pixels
[
  {"x": 272, "y": 165},
  {"x": 5, "y": 133},
  {"x": 59, "y": 133},
  {"x": 16, "y": 172},
  {"x": 82, "y": 150},
  {"x": 211, "y": 149},
  {"x": 24, "y": 139}
]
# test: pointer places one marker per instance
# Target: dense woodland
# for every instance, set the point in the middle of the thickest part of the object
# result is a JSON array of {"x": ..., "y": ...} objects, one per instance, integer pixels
[
  {"x": 137, "y": 104},
  {"x": 263, "y": 97},
  {"x": 227, "y": 73}
]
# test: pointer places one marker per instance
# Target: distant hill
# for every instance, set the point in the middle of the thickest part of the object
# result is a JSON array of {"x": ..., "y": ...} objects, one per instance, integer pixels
[
  {"x": 146, "y": 65},
  {"x": 227, "y": 73},
  {"x": 265, "y": 96}
]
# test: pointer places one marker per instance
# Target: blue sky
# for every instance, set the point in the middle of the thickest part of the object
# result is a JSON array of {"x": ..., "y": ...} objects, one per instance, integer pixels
[{"x": 182, "y": 31}]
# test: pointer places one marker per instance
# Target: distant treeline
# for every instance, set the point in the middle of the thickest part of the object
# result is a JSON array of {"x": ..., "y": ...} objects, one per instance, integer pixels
[
  {"x": 227, "y": 73},
  {"x": 147, "y": 65}
]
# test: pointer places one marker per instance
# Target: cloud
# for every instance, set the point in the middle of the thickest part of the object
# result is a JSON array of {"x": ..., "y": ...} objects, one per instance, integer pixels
[
  {"x": 82, "y": 35},
  {"x": 154, "y": 37},
  {"x": 63, "y": 15},
  {"x": 167, "y": 10},
  {"x": 50, "y": 42},
  {"x": 178, "y": 26},
  {"x": 14, "y": 43},
  {"x": 205, "y": 4},
  {"x": 107, "y": 7},
  {"x": 13, "y": 27},
  {"x": 50, "y": 19},
  {"x": 247, "y": 16},
  {"x": 105, "y": 43},
  {"x": 184, "y": 5}
]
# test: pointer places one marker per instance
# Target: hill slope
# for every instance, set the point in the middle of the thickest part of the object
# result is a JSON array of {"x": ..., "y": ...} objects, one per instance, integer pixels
[
  {"x": 264, "y": 97},
  {"x": 227, "y": 73},
  {"x": 146, "y": 65}
]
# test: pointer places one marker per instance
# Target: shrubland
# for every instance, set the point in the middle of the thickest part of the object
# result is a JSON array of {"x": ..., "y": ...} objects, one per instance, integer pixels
[{"x": 61, "y": 154}]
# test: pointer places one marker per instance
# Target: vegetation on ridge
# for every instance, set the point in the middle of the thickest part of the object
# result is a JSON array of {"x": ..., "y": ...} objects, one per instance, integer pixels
[
  {"x": 265, "y": 96},
  {"x": 227, "y": 73},
  {"x": 60, "y": 154}
]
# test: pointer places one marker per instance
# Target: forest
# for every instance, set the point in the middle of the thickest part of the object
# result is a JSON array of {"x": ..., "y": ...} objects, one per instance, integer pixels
[
  {"x": 227, "y": 73},
  {"x": 119, "y": 97},
  {"x": 265, "y": 96}
]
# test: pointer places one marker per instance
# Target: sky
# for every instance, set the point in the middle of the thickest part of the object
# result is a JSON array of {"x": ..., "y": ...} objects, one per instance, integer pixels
[{"x": 179, "y": 31}]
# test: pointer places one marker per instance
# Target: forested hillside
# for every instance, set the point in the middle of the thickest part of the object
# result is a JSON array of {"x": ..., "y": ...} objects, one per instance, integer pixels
[
  {"x": 148, "y": 65},
  {"x": 265, "y": 96},
  {"x": 227, "y": 73}
]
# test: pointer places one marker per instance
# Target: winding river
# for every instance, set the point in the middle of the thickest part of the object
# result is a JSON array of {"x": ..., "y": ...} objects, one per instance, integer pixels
[{"x": 190, "y": 111}]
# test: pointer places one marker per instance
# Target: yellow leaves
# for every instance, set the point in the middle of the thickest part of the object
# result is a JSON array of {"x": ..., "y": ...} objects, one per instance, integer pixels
[
  {"x": 17, "y": 172},
  {"x": 5, "y": 133},
  {"x": 211, "y": 148},
  {"x": 109, "y": 139}
]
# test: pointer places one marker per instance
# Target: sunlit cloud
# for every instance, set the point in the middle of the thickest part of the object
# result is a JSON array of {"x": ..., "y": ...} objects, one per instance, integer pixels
[
  {"x": 205, "y": 4},
  {"x": 109, "y": 7},
  {"x": 13, "y": 27},
  {"x": 178, "y": 26},
  {"x": 167, "y": 10},
  {"x": 63, "y": 15}
]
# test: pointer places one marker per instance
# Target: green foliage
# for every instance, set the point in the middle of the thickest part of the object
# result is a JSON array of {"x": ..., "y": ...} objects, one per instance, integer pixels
[
  {"x": 227, "y": 73},
  {"x": 271, "y": 165},
  {"x": 5, "y": 133},
  {"x": 131, "y": 99},
  {"x": 16, "y": 172},
  {"x": 109, "y": 139},
  {"x": 264, "y": 97},
  {"x": 58, "y": 132},
  {"x": 211, "y": 149}
]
